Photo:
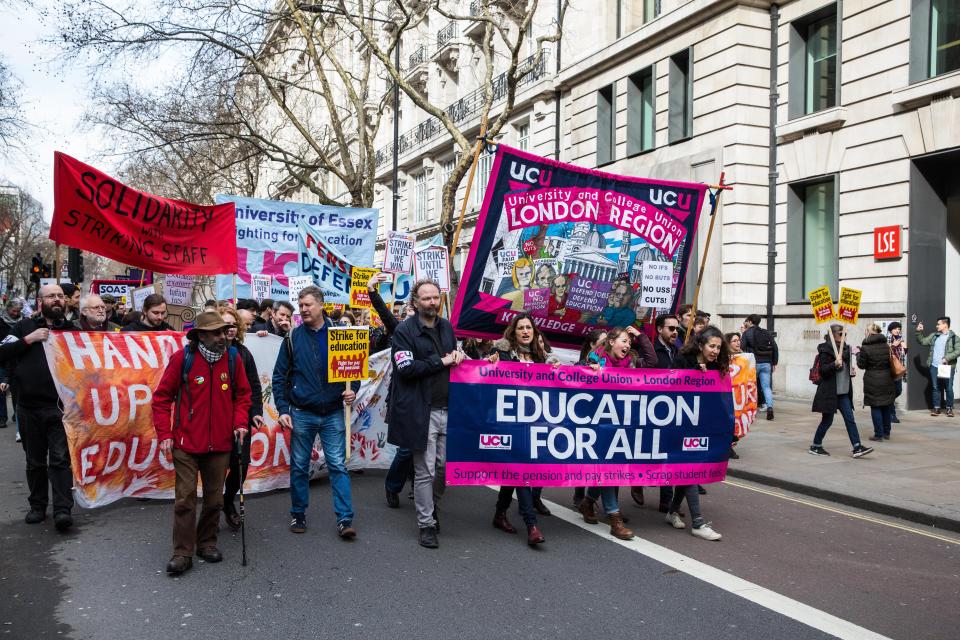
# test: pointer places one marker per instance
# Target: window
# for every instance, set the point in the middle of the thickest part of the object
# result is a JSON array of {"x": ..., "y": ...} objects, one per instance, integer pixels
[
  {"x": 484, "y": 166},
  {"x": 812, "y": 247},
  {"x": 944, "y": 36},
  {"x": 523, "y": 137},
  {"x": 640, "y": 112},
  {"x": 651, "y": 9},
  {"x": 821, "y": 70},
  {"x": 446, "y": 169},
  {"x": 814, "y": 82},
  {"x": 420, "y": 198},
  {"x": 606, "y": 124},
  {"x": 680, "y": 126}
]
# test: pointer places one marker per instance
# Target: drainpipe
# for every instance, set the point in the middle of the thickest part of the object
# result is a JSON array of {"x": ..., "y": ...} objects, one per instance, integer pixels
[
  {"x": 556, "y": 95},
  {"x": 772, "y": 169}
]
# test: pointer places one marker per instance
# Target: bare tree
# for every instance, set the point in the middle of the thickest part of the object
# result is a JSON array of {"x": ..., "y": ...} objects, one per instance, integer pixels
[
  {"x": 11, "y": 109},
  {"x": 299, "y": 83},
  {"x": 23, "y": 233}
]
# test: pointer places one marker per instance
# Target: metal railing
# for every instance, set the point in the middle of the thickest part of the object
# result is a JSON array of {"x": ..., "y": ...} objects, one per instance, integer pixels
[
  {"x": 418, "y": 57},
  {"x": 475, "y": 8},
  {"x": 463, "y": 109},
  {"x": 446, "y": 34}
]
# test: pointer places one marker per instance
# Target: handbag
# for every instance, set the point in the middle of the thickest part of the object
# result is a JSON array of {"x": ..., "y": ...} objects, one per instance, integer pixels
[{"x": 897, "y": 370}]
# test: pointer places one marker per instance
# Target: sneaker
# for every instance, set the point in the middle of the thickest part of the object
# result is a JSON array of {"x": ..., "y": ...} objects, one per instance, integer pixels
[
  {"x": 35, "y": 516},
  {"x": 859, "y": 451},
  {"x": 732, "y": 454},
  {"x": 894, "y": 419},
  {"x": 816, "y": 450},
  {"x": 393, "y": 499},
  {"x": 949, "y": 413},
  {"x": 935, "y": 412},
  {"x": 298, "y": 523},
  {"x": 769, "y": 414},
  {"x": 18, "y": 436},
  {"x": 62, "y": 521},
  {"x": 701, "y": 490},
  {"x": 876, "y": 438},
  {"x": 674, "y": 520},
  {"x": 428, "y": 538},
  {"x": 346, "y": 531},
  {"x": 762, "y": 407},
  {"x": 706, "y": 532}
]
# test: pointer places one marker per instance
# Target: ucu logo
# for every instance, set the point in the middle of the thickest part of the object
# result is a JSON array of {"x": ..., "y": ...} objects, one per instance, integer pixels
[
  {"x": 696, "y": 444},
  {"x": 495, "y": 441},
  {"x": 670, "y": 199},
  {"x": 533, "y": 175}
]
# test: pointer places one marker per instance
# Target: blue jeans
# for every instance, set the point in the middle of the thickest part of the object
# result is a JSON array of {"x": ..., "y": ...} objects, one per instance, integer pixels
[
  {"x": 845, "y": 406},
  {"x": 524, "y": 501},
  {"x": 948, "y": 387},
  {"x": 607, "y": 495},
  {"x": 690, "y": 492},
  {"x": 898, "y": 386},
  {"x": 400, "y": 470},
  {"x": 764, "y": 371},
  {"x": 332, "y": 431},
  {"x": 881, "y": 420}
]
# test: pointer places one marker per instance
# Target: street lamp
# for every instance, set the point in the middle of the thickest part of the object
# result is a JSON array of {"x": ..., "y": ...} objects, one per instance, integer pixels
[{"x": 313, "y": 8}]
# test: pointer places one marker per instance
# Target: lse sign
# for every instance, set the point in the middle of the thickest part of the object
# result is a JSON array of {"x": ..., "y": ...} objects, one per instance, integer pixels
[{"x": 886, "y": 242}]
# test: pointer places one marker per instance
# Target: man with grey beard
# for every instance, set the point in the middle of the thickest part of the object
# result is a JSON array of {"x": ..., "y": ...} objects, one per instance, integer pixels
[
  {"x": 93, "y": 315},
  {"x": 38, "y": 408}
]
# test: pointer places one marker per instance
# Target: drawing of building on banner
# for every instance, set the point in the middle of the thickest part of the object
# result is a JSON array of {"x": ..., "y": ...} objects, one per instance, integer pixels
[{"x": 590, "y": 263}]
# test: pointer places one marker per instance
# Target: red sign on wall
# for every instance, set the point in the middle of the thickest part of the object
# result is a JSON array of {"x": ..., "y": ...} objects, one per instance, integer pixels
[{"x": 886, "y": 242}]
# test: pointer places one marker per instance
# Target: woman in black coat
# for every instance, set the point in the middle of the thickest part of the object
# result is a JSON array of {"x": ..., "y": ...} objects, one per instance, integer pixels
[
  {"x": 879, "y": 389},
  {"x": 835, "y": 392}
]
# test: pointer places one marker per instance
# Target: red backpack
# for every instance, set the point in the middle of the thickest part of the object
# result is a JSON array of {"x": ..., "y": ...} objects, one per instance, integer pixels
[{"x": 814, "y": 374}]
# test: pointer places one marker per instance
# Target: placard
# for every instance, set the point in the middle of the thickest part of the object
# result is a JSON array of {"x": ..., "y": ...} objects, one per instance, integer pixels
[
  {"x": 849, "y": 308},
  {"x": 347, "y": 352},
  {"x": 359, "y": 278},
  {"x": 260, "y": 283},
  {"x": 398, "y": 252},
  {"x": 822, "y": 303},
  {"x": 141, "y": 294},
  {"x": 178, "y": 289},
  {"x": 656, "y": 284},
  {"x": 432, "y": 264},
  {"x": 298, "y": 284}
]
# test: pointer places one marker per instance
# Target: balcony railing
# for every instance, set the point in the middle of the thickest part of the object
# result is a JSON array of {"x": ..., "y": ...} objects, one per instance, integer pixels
[
  {"x": 418, "y": 57},
  {"x": 463, "y": 109},
  {"x": 446, "y": 34},
  {"x": 475, "y": 8}
]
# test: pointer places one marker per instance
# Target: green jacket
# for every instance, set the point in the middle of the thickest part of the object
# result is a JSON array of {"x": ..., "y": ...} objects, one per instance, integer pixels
[{"x": 953, "y": 346}]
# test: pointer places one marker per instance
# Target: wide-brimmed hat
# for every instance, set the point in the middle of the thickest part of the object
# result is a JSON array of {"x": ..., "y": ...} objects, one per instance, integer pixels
[{"x": 206, "y": 321}]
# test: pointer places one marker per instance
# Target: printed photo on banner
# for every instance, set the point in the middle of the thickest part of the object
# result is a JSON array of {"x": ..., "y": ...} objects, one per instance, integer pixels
[
  {"x": 96, "y": 213},
  {"x": 398, "y": 252},
  {"x": 359, "y": 296},
  {"x": 327, "y": 268},
  {"x": 848, "y": 310},
  {"x": 267, "y": 239},
  {"x": 822, "y": 303},
  {"x": 579, "y": 238},
  {"x": 433, "y": 263},
  {"x": 524, "y": 424},
  {"x": 347, "y": 353}
]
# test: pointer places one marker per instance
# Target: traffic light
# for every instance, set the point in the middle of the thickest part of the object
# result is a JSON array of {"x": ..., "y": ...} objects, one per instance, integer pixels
[
  {"x": 75, "y": 265},
  {"x": 36, "y": 267},
  {"x": 47, "y": 271}
]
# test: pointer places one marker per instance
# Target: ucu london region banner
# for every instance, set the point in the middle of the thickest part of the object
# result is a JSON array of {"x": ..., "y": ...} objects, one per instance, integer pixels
[
  {"x": 535, "y": 425},
  {"x": 576, "y": 247}
]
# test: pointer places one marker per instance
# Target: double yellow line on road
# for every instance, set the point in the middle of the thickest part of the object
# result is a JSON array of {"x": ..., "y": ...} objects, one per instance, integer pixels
[{"x": 817, "y": 505}]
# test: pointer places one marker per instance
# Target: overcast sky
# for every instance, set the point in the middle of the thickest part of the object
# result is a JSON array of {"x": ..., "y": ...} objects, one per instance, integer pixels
[{"x": 54, "y": 98}]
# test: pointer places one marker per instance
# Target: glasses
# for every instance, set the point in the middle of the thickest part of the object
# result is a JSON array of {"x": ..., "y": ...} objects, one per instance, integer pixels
[
  {"x": 55, "y": 296},
  {"x": 99, "y": 306},
  {"x": 668, "y": 328}
]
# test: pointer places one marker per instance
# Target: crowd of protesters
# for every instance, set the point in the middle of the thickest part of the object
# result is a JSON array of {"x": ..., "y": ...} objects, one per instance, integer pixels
[{"x": 205, "y": 433}]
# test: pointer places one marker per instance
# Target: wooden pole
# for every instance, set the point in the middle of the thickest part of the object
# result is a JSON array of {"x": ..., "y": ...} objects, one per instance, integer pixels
[
  {"x": 347, "y": 411},
  {"x": 56, "y": 263},
  {"x": 234, "y": 290},
  {"x": 466, "y": 195},
  {"x": 714, "y": 207}
]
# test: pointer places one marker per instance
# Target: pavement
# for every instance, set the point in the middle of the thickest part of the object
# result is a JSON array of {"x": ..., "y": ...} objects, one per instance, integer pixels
[{"x": 914, "y": 476}]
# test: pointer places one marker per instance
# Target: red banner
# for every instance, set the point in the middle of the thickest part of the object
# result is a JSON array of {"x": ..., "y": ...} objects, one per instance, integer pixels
[{"x": 94, "y": 212}]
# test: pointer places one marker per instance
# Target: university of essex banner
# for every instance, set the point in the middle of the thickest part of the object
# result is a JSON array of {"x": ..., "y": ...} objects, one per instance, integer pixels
[{"x": 571, "y": 246}]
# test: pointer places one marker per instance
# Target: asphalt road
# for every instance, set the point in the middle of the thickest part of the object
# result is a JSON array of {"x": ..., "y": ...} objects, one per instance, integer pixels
[{"x": 105, "y": 579}]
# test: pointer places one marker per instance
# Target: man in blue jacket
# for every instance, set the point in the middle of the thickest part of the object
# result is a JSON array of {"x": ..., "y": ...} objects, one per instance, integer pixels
[{"x": 310, "y": 405}]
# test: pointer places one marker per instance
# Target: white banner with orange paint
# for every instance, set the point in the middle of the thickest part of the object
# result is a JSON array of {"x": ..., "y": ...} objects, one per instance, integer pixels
[
  {"x": 106, "y": 381},
  {"x": 743, "y": 378}
]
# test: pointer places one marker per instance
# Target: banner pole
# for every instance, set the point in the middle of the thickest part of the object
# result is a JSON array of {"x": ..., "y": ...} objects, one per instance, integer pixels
[
  {"x": 347, "y": 410},
  {"x": 56, "y": 262},
  {"x": 466, "y": 195},
  {"x": 234, "y": 290},
  {"x": 714, "y": 206}
]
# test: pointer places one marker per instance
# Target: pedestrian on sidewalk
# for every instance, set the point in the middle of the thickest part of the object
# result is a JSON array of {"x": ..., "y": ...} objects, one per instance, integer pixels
[
  {"x": 706, "y": 351},
  {"x": 236, "y": 332},
  {"x": 520, "y": 343},
  {"x": 761, "y": 344},
  {"x": 898, "y": 347},
  {"x": 942, "y": 360},
  {"x": 879, "y": 391},
  {"x": 39, "y": 416},
  {"x": 835, "y": 392},
  {"x": 424, "y": 350},
  {"x": 310, "y": 405},
  {"x": 200, "y": 405}
]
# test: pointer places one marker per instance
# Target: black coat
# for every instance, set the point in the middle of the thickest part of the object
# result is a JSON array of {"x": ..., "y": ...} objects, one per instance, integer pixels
[
  {"x": 825, "y": 399},
  {"x": 253, "y": 378},
  {"x": 26, "y": 364},
  {"x": 416, "y": 360},
  {"x": 874, "y": 359}
]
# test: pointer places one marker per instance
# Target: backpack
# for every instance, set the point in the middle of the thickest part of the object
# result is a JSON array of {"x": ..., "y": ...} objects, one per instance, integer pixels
[
  {"x": 814, "y": 374},
  {"x": 188, "y": 356},
  {"x": 762, "y": 342}
]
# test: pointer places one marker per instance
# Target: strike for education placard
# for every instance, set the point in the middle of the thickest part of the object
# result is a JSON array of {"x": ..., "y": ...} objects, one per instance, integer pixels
[
  {"x": 359, "y": 278},
  {"x": 95, "y": 212},
  {"x": 578, "y": 239},
  {"x": 822, "y": 303},
  {"x": 849, "y": 308},
  {"x": 347, "y": 352},
  {"x": 534, "y": 425}
]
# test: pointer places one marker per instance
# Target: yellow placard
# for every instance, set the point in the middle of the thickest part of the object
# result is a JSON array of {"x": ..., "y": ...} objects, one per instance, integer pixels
[
  {"x": 822, "y": 303},
  {"x": 359, "y": 296},
  {"x": 347, "y": 351},
  {"x": 849, "y": 308},
  {"x": 330, "y": 307}
]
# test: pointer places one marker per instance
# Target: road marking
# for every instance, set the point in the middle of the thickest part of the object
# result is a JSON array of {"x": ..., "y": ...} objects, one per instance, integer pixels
[
  {"x": 793, "y": 609},
  {"x": 858, "y": 516}
]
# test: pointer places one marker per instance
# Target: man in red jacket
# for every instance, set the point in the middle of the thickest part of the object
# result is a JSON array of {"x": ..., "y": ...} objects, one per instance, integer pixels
[{"x": 199, "y": 407}]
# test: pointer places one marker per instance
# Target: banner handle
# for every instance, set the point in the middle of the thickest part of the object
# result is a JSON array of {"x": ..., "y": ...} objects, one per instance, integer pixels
[
  {"x": 234, "y": 290},
  {"x": 346, "y": 419},
  {"x": 466, "y": 195},
  {"x": 56, "y": 262},
  {"x": 714, "y": 206}
]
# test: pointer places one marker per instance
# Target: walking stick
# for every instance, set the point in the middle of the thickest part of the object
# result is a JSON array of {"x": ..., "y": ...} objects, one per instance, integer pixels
[{"x": 243, "y": 512}]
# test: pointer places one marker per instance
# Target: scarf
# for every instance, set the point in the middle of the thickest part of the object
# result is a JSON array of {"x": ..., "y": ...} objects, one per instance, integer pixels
[
  {"x": 208, "y": 355},
  {"x": 6, "y": 317},
  {"x": 607, "y": 360}
]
